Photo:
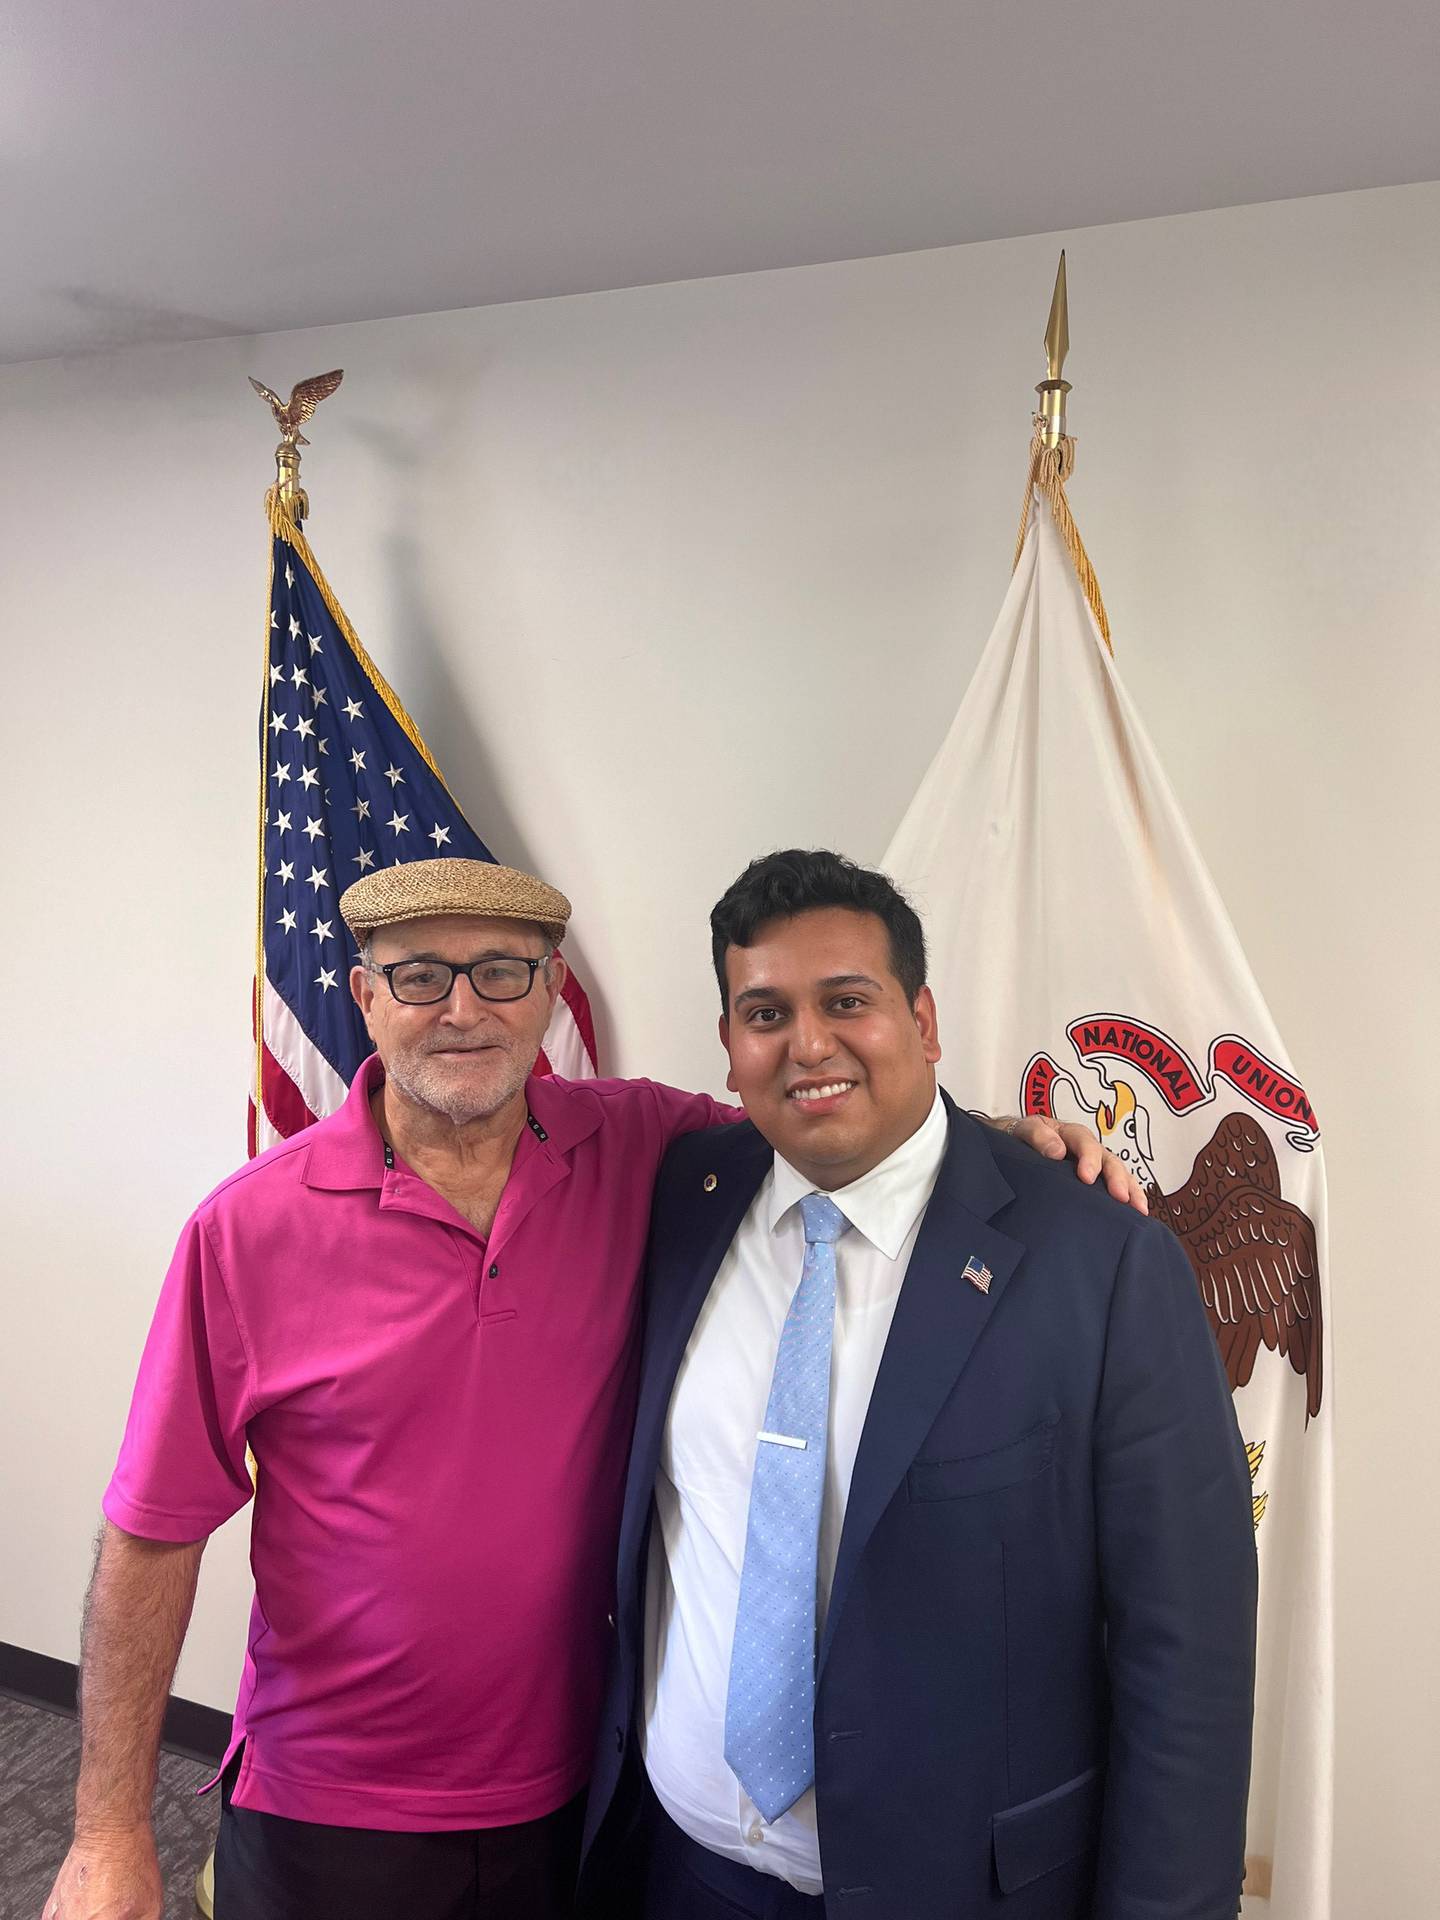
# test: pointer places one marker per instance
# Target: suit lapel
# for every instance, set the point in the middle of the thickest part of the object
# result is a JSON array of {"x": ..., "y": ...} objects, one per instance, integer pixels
[
  {"x": 684, "y": 1260},
  {"x": 938, "y": 1318}
]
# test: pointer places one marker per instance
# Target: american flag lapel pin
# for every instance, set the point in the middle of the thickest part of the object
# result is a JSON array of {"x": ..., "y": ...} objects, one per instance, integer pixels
[{"x": 977, "y": 1273}]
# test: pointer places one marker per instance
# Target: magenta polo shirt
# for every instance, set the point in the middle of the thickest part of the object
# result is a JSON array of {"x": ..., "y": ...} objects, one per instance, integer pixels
[{"x": 440, "y": 1425}]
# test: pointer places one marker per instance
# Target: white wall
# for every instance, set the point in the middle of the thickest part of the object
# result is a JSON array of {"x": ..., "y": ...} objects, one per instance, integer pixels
[{"x": 673, "y": 576}]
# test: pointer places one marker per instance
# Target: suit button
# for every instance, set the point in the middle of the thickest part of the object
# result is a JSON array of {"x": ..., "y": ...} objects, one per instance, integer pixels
[
  {"x": 619, "y": 1740},
  {"x": 610, "y": 1621},
  {"x": 494, "y": 1273}
]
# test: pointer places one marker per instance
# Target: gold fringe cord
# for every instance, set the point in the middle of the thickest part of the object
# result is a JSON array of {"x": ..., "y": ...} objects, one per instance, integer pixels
[
  {"x": 1050, "y": 468},
  {"x": 259, "y": 1003}
]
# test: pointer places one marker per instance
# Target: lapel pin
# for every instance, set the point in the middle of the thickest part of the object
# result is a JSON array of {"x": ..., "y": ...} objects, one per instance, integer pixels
[
  {"x": 977, "y": 1273},
  {"x": 710, "y": 1183}
]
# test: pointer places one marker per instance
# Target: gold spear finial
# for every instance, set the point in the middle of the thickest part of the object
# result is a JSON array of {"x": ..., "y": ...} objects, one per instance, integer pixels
[
  {"x": 1053, "y": 389},
  {"x": 290, "y": 416}
]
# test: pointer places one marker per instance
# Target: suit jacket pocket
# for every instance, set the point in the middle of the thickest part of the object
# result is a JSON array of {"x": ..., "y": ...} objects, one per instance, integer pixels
[
  {"x": 1042, "y": 1834},
  {"x": 1001, "y": 1466}
]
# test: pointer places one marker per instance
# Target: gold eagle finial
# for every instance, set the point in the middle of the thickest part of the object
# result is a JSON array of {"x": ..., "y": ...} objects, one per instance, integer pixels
[{"x": 290, "y": 416}]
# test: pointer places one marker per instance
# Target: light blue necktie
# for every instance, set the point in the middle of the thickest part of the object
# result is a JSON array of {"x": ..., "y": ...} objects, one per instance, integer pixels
[{"x": 770, "y": 1708}]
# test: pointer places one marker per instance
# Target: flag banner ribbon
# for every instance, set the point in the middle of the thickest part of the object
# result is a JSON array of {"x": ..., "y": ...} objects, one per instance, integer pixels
[{"x": 1180, "y": 1083}]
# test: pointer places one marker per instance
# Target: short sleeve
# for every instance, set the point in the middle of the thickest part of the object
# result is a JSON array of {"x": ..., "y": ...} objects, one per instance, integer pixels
[
  {"x": 182, "y": 1469},
  {"x": 689, "y": 1112}
]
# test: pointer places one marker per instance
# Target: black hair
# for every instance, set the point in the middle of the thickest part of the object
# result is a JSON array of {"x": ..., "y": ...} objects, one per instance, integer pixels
[{"x": 780, "y": 885}]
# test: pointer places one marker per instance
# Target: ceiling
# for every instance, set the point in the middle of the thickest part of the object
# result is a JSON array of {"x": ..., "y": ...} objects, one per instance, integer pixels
[{"x": 178, "y": 171}]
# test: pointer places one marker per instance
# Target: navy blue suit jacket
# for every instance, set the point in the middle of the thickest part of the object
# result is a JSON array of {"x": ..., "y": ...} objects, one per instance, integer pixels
[{"x": 1035, "y": 1675}]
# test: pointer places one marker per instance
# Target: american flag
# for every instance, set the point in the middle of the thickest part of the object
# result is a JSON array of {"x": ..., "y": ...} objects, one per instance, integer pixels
[{"x": 347, "y": 785}]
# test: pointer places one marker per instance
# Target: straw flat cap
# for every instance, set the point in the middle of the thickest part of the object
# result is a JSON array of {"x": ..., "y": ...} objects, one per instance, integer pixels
[{"x": 418, "y": 889}]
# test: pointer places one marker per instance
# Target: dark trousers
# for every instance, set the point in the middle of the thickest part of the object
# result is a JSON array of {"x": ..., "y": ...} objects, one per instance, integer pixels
[
  {"x": 268, "y": 1868},
  {"x": 685, "y": 1881}
]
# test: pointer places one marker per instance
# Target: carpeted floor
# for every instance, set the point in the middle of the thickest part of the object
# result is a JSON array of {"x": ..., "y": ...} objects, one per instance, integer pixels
[{"x": 39, "y": 1757}]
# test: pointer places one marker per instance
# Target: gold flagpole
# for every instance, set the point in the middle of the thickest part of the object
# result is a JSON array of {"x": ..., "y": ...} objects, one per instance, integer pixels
[
  {"x": 286, "y": 504},
  {"x": 1052, "y": 454}
]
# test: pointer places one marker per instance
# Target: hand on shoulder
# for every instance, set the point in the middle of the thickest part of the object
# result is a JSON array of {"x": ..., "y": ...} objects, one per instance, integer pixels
[{"x": 1061, "y": 1139}]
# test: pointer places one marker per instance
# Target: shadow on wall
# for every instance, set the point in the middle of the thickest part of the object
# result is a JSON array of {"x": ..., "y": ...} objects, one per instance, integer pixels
[{"x": 424, "y": 681}]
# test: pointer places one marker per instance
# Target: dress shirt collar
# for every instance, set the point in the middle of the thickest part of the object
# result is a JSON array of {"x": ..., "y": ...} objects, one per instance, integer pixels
[{"x": 884, "y": 1203}]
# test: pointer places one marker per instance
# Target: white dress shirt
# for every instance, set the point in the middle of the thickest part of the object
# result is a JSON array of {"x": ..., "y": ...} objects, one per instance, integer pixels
[{"x": 707, "y": 1459}]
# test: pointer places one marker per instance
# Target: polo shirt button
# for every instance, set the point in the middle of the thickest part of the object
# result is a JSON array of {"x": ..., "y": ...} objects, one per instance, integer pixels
[{"x": 494, "y": 1273}]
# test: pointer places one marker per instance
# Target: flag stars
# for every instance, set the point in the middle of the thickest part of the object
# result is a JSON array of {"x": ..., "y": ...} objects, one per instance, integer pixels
[
  {"x": 282, "y": 823},
  {"x": 357, "y": 760},
  {"x": 324, "y": 746},
  {"x": 276, "y": 673},
  {"x": 309, "y": 777},
  {"x": 439, "y": 835},
  {"x": 394, "y": 775},
  {"x": 398, "y": 823},
  {"x": 322, "y": 930},
  {"x": 315, "y": 643},
  {"x": 354, "y": 710},
  {"x": 304, "y": 727},
  {"x": 317, "y": 878},
  {"x": 325, "y": 979},
  {"x": 365, "y": 858},
  {"x": 286, "y": 921},
  {"x": 299, "y": 677},
  {"x": 281, "y": 773},
  {"x": 286, "y": 870},
  {"x": 289, "y": 576},
  {"x": 321, "y": 696},
  {"x": 278, "y": 724},
  {"x": 312, "y": 829},
  {"x": 294, "y": 628}
]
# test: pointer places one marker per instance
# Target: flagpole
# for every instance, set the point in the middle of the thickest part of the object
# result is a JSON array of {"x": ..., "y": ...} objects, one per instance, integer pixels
[
  {"x": 286, "y": 503},
  {"x": 1052, "y": 455}
]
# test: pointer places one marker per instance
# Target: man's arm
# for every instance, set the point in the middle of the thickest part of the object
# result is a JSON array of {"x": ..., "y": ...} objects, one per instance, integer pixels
[
  {"x": 1054, "y": 1139},
  {"x": 1177, "y": 1569},
  {"x": 136, "y": 1613}
]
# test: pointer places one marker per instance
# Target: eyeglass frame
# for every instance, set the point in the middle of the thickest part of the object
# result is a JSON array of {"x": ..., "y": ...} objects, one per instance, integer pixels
[{"x": 490, "y": 999}]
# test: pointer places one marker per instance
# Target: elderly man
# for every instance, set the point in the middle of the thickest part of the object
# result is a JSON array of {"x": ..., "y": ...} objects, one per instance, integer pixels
[{"x": 421, "y": 1317}]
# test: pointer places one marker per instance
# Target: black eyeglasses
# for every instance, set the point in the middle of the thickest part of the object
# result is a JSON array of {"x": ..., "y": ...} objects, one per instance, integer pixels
[{"x": 424, "y": 983}]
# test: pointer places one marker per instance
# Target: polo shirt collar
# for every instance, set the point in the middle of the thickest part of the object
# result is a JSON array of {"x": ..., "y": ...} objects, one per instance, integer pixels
[
  {"x": 346, "y": 1150},
  {"x": 884, "y": 1203},
  {"x": 562, "y": 1111}
]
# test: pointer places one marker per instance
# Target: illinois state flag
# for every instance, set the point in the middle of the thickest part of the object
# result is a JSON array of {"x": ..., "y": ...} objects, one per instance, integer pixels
[
  {"x": 347, "y": 785},
  {"x": 1085, "y": 967}
]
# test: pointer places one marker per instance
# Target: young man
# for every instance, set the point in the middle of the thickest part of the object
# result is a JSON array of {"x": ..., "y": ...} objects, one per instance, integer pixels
[
  {"x": 937, "y": 1577},
  {"x": 421, "y": 1316}
]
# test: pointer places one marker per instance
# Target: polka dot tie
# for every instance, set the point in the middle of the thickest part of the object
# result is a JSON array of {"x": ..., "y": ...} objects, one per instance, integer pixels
[{"x": 770, "y": 1706}]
